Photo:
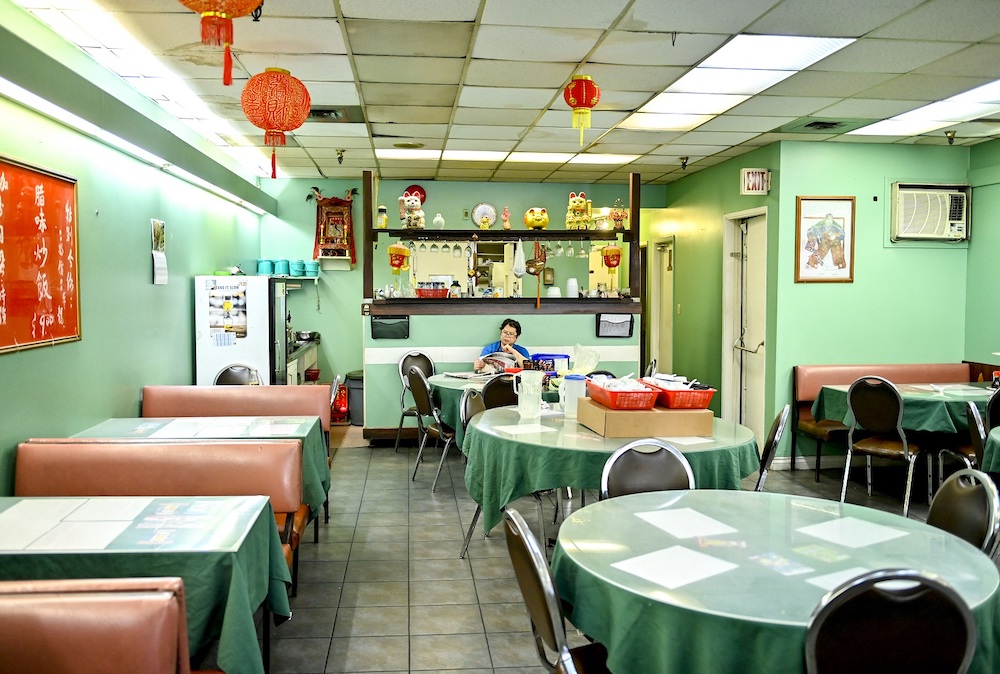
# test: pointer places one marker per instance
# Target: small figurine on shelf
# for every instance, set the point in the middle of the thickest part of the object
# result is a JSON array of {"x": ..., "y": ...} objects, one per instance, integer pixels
[
  {"x": 536, "y": 218},
  {"x": 618, "y": 214},
  {"x": 578, "y": 213},
  {"x": 484, "y": 222},
  {"x": 438, "y": 221},
  {"x": 382, "y": 219},
  {"x": 505, "y": 217},
  {"x": 411, "y": 215}
]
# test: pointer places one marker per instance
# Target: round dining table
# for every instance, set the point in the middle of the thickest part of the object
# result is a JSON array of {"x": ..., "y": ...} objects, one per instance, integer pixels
[
  {"x": 508, "y": 458},
  {"x": 711, "y": 581}
]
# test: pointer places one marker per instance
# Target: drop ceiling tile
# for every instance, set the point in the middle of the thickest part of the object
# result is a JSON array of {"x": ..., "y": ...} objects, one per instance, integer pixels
[
  {"x": 337, "y": 171},
  {"x": 300, "y": 8},
  {"x": 719, "y": 138},
  {"x": 299, "y": 36},
  {"x": 639, "y": 137},
  {"x": 402, "y": 114},
  {"x": 352, "y": 156},
  {"x": 334, "y": 129},
  {"x": 655, "y": 49},
  {"x": 886, "y": 56},
  {"x": 428, "y": 95},
  {"x": 839, "y": 85},
  {"x": 464, "y": 173},
  {"x": 387, "y": 135},
  {"x": 324, "y": 142},
  {"x": 490, "y": 116},
  {"x": 648, "y": 79},
  {"x": 479, "y": 144},
  {"x": 744, "y": 123},
  {"x": 204, "y": 63},
  {"x": 332, "y": 93},
  {"x": 408, "y": 172},
  {"x": 599, "y": 119},
  {"x": 505, "y": 98},
  {"x": 692, "y": 17},
  {"x": 532, "y": 74},
  {"x": 822, "y": 18},
  {"x": 315, "y": 67},
  {"x": 510, "y": 43},
  {"x": 617, "y": 100},
  {"x": 778, "y": 106},
  {"x": 930, "y": 87},
  {"x": 426, "y": 10},
  {"x": 966, "y": 21},
  {"x": 868, "y": 108},
  {"x": 736, "y": 151},
  {"x": 571, "y": 144},
  {"x": 674, "y": 149},
  {"x": 602, "y": 147},
  {"x": 584, "y": 13},
  {"x": 409, "y": 69},
  {"x": 768, "y": 138},
  {"x": 285, "y": 161},
  {"x": 981, "y": 60},
  {"x": 465, "y": 131},
  {"x": 301, "y": 172},
  {"x": 406, "y": 38}
]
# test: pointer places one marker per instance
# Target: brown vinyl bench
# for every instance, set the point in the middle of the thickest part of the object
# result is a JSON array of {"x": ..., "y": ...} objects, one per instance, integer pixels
[
  {"x": 807, "y": 380},
  {"x": 243, "y": 401},
  {"x": 93, "y": 626}
]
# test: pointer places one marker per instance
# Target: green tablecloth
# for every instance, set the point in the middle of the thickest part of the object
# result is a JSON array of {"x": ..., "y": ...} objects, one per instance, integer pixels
[
  {"x": 991, "y": 452},
  {"x": 227, "y": 551},
  {"x": 505, "y": 464},
  {"x": 315, "y": 469},
  {"x": 924, "y": 409},
  {"x": 751, "y": 615}
]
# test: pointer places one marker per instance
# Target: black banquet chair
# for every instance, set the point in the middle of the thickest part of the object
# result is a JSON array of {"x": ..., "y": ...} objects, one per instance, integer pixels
[
  {"x": 499, "y": 391},
  {"x": 920, "y": 625},
  {"x": 436, "y": 428},
  {"x": 538, "y": 589},
  {"x": 771, "y": 445},
  {"x": 968, "y": 505},
  {"x": 645, "y": 465},
  {"x": 876, "y": 430},
  {"x": 426, "y": 365}
]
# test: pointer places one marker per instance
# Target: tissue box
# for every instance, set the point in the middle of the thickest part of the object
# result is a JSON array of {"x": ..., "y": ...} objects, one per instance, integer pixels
[{"x": 655, "y": 423}]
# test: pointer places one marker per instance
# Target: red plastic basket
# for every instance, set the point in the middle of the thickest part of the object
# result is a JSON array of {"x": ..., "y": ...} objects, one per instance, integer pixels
[
  {"x": 688, "y": 400},
  {"x": 432, "y": 293},
  {"x": 622, "y": 400}
]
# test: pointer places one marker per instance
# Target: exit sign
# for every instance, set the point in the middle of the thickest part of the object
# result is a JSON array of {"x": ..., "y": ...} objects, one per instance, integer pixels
[{"x": 755, "y": 181}]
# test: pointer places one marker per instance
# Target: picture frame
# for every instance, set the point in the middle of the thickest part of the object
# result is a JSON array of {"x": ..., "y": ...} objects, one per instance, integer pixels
[
  {"x": 824, "y": 239},
  {"x": 548, "y": 276}
]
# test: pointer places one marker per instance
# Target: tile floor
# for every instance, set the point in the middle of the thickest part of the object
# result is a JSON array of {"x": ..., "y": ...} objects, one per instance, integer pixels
[{"x": 385, "y": 591}]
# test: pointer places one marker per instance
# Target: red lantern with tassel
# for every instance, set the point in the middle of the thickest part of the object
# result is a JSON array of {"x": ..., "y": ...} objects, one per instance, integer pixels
[
  {"x": 276, "y": 102},
  {"x": 217, "y": 25},
  {"x": 581, "y": 94}
]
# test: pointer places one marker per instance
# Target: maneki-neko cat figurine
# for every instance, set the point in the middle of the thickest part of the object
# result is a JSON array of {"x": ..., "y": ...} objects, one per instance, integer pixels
[
  {"x": 411, "y": 215},
  {"x": 578, "y": 213}
]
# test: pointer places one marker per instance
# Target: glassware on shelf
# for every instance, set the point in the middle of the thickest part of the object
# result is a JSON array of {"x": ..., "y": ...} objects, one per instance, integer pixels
[
  {"x": 446, "y": 248},
  {"x": 413, "y": 248},
  {"x": 456, "y": 251},
  {"x": 434, "y": 247},
  {"x": 569, "y": 249},
  {"x": 584, "y": 253},
  {"x": 559, "y": 249},
  {"x": 423, "y": 247},
  {"x": 468, "y": 251}
]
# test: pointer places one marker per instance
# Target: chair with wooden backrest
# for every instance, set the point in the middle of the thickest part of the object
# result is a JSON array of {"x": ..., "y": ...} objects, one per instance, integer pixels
[
  {"x": 426, "y": 364},
  {"x": 645, "y": 465},
  {"x": 876, "y": 430},
  {"x": 968, "y": 505},
  {"x": 915, "y": 624},
  {"x": 542, "y": 601},
  {"x": 471, "y": 404},
  {"x": 94, "y": 626},
  {"x": 499, "y": 392},
  {"x": 771, "y": 445},
  {"x": 436, "y": 429}
]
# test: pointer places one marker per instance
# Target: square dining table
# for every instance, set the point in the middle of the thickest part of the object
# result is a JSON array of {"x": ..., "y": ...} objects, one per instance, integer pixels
[
  {"x": 226, "y": 548},
  {"x": 315, "y": 469},
  {"x": 724, "y": 582}
]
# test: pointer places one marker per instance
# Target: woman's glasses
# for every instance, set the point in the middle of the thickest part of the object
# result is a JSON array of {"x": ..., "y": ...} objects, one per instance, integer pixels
[{"x": 508, "y": 334}]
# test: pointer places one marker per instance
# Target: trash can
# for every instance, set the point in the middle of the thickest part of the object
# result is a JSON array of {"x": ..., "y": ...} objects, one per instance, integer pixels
[{"x": 356, "y": 397}]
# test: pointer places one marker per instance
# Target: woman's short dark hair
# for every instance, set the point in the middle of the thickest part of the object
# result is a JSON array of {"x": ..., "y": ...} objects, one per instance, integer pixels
[{"x": 512, "y": 323}]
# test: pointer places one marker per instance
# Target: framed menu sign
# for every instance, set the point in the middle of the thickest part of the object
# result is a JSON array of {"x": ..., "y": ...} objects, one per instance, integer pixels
[{"x": 39, "y": 275}]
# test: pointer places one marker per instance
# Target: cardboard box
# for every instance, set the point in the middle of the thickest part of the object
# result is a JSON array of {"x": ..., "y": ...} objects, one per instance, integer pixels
[{"x": 655, "y": 423}]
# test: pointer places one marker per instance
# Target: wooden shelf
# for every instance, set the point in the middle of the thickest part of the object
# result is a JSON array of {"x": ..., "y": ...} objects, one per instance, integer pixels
[
  {"x": 501, "y": 305},
  {"x": 506, "y": 234}
]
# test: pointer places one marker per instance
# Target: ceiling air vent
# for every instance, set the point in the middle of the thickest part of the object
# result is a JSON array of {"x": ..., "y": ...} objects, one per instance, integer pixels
[
  {"x": 824, "y": 125},
  {"x": 336, "y": 114}
]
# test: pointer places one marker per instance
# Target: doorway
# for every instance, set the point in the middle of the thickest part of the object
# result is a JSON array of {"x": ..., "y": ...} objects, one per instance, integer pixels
[
  {"x": 744, "y": 348},
  {"x": 661, "y": 303}
]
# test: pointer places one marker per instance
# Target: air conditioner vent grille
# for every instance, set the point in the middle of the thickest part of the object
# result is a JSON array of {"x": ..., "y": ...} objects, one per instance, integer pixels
[{"x": 930, "y": 212}]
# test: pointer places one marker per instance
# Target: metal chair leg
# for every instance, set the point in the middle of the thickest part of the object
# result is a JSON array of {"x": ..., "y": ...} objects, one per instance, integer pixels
[
  {"x": 909, "y": 483},
  {"x": 444, "y": 455},
  {"x": 420, "y": 454},
  {"x": 847, "y": 474},
  {"x": 399, "y": 431},
  {"x": 468, "y": 534}
]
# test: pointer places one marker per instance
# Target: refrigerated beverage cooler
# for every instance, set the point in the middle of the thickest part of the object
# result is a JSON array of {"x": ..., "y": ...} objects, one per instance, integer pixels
[{"x": 241, "y": 330}]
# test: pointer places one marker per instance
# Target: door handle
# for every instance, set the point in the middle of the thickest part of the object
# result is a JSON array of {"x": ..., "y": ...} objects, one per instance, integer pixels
[{"x": 739, "y": 347}]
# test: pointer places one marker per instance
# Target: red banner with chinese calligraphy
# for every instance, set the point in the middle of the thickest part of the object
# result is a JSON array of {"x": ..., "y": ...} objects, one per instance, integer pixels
[{"x": 39, "y": 276}]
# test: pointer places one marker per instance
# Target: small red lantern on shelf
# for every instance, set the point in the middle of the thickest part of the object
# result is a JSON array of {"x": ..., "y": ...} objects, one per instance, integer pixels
[
  {"x": 581, "y": 94},
  {"x": 217, "y": 25},
  {"x": 398, "y": 258},
  {"x": 612, "y": 256},
  {"x": 276, "y": 102}
]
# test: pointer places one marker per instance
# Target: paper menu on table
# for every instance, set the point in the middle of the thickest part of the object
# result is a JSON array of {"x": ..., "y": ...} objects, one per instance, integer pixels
[
  {"x": 674, "y": 567},
  {"x": 182, "y": 428},
  {"x": 685, "y": 523},
  {"x": 28, "y": 520},
  {"x": 79, "y": 536},
  {"x": 123, "y": 508},
  {"x": 852, "y": 532},
  {"x": 524, "y": 429}
]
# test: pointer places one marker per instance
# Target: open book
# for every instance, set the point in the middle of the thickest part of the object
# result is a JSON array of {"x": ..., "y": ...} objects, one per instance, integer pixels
[{"x": 497, "y": 362}]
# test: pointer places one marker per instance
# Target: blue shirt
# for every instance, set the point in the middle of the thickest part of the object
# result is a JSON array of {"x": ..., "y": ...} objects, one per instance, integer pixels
[{"x": 496, "y": 346}]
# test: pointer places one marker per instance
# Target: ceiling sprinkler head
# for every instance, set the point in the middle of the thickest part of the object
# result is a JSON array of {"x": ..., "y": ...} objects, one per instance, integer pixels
[
  {"x": 684, "y": 163},
  {"x": 340, "y": 156},
  {"x": 950, "y": 135}
]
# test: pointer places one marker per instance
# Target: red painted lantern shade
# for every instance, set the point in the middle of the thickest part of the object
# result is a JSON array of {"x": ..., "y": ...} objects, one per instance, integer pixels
[
  {"x": 276, "y": 102},
  {"x": 612, "y": 256},
  {"x": 217, "y": 25},
  {"x": 581, "y": 94}
]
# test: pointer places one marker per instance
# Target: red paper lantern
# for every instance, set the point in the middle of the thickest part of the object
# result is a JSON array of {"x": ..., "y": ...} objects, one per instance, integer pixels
[
  {"x": 217, "y": 25},
  {"x": 612, "y": 256},
  {"x": 276, "y": 102},
  {"x": 581, "y": 94}
]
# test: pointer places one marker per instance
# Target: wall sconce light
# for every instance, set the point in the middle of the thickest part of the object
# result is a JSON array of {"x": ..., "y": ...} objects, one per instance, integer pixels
[{"x": 950, "y": 135}]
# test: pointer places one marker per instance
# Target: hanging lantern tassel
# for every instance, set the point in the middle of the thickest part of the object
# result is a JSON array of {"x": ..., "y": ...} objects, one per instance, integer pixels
[
  {"x": 581, "y": 94},
  {"x": 227, "y": 66},
  {"x": 217, "y": 25}
]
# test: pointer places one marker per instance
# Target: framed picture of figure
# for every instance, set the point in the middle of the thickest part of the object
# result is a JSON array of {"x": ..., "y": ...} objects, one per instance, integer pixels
[{"x": 824, "y": 239}]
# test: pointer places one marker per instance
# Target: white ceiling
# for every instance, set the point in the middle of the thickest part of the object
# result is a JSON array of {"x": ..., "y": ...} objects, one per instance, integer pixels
[{"x": 489, "y": 74}]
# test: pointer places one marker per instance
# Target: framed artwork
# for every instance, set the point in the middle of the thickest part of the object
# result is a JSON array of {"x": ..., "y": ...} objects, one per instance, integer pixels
[{"x": 824, "y": 239}]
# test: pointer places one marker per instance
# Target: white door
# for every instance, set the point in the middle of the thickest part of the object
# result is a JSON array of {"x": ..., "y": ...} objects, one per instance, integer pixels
[
  {"x": 661, "y": 301},
  {"x": 745, "y": 311}
]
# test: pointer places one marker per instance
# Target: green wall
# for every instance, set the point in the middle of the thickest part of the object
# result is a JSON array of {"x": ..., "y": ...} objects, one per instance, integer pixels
[
  {"x": 134, "y": 332},
  {"x": 982, "y": 306}
]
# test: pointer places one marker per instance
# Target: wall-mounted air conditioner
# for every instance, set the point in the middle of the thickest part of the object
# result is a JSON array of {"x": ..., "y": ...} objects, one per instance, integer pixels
[{"x": 930, "y": 212}]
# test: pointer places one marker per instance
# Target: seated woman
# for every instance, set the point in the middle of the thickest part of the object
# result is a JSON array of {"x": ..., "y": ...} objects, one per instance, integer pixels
[{"x": 510, "y": 330}]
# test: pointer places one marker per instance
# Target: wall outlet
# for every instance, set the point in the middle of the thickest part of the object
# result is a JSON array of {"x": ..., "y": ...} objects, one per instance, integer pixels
[{"x": 465, "y": 214}]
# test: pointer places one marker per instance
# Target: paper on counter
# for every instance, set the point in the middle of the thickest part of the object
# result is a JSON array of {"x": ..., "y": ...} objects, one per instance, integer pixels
[
  {"x": 80, "y": 536},
  {"x": 852, "y": 532},
  {"x": 686, "y": 523},
  {"x": 110, "y": 509},
  {"x": 837, "y": 578},
  {"x": 674, "y": 567},
  {"x": 524, "y": 429}
]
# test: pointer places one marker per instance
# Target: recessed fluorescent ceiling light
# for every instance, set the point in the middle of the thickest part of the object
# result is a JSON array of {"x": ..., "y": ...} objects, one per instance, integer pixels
[
  {"x": 728, "y": 81},
  {"x": 539, "y": 157},
  {"x": 973, "y": 104},
  {"x": 987, "y": 93},
  {"x": 773, "y": 52},
  {"x": 699, "y": 104},
  {"x": 603, "y": 158},
  {"x": 950, "y": 111},
  {"x": 648, "y": 121},
  {"x": 897, "y": 127},
  {"x": 392, "y": 153},
  {"x": 473, "y": 155}
]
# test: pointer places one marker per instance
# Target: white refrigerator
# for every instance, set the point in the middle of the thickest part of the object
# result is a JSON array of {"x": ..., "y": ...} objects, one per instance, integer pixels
[{"x": 240, "y": 326}]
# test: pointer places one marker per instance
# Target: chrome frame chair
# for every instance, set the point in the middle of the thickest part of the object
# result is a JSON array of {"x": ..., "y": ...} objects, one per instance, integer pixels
[
  {"x": 992, "y": 419},
  {"x": 968, "y": 505},
  {"x": 499, "y": 391},
  {"x": 920, "y": 625},
  {"x": 650, "y": 369},
  {"x": 426, "y": 365},
  {"x": 629, "y": 457},
  {"x": 607, "y": 373},
  {"x": 437, "y": 429},
  {"x": 771, "y": 445},
  {"x": 977, "y": 431},
  {"x": 877, "y": 409},
  {"x": 538, "y": 590}
]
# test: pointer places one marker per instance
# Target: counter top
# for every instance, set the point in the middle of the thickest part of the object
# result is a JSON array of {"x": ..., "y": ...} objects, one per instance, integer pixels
[
  {"x": 301, "y": 350},
  {"x": 502, "y": 305}
]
